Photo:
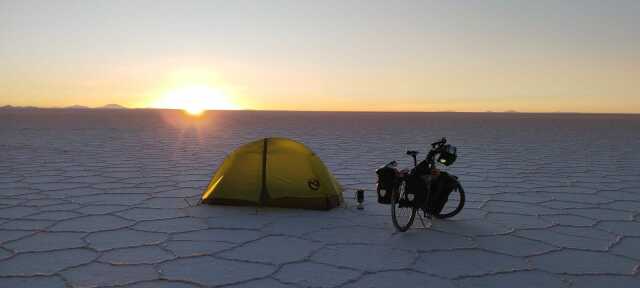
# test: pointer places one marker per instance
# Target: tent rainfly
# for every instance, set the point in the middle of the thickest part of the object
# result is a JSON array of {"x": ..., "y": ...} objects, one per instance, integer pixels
[{"x": 275, "y": 172}]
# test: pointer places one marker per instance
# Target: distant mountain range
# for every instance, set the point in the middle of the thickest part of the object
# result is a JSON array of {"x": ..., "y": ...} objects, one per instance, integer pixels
[
  {"x": 112, "y": 106},
  {"x": 108, "y": 106},
  {"x": 77, "y": 107},
  {"x": 506, "y": 111}
]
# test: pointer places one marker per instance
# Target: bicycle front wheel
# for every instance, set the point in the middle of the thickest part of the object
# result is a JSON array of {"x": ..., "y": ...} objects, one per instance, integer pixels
[{"x": 403, "y": 212}]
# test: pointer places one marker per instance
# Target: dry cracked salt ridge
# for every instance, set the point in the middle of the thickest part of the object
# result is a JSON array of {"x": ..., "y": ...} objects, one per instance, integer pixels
[{"x": 78, "y": 212}]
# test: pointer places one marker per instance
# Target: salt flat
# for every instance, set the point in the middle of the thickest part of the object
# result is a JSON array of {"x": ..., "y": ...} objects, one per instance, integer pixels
[{"x": 109, "y": 198}]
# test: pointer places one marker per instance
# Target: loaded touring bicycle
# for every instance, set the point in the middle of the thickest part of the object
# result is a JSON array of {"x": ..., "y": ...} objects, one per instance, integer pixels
[{"x": 437, "y": 193}]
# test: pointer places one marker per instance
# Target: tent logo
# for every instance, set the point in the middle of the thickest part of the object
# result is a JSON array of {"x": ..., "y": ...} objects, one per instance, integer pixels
[{"x": 314, "y": 184}]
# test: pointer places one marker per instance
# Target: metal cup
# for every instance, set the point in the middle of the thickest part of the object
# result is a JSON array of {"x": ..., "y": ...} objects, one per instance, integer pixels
[{"x": 360, "y": 198}]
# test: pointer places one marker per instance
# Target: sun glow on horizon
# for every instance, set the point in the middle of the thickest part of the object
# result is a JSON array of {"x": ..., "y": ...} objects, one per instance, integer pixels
[{"x": 195, "y": 99}]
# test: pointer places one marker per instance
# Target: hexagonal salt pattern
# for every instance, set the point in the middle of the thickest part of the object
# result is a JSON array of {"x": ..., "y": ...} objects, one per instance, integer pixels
[{"x": 110, "y": 199}]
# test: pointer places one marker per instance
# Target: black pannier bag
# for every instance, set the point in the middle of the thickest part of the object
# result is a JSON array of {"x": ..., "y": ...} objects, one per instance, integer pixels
[
  {"x": 417, "y": 186},
  {"x": 387, "y": 180},
  {"x": 441, "y": 188}
]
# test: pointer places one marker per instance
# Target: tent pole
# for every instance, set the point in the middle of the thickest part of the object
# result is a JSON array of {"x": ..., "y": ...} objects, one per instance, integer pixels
[{"x": 263, "y": 191}]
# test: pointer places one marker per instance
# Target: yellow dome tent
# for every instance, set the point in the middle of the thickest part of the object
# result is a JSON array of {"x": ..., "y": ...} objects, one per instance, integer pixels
[{"x": 276, "y": 172}]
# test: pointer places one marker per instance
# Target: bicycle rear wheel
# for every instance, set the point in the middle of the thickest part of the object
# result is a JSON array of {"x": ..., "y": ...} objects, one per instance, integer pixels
[
  {"x": 454, "y": 204},
  {"x": 403, "y": 212}
]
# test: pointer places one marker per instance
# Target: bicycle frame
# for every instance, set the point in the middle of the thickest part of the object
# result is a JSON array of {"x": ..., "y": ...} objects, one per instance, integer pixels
[{"x": 430, "y": 170}]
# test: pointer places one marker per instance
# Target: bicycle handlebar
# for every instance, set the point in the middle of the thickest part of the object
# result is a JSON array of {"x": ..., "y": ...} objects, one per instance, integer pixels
[{"x": 441, "y": 142}]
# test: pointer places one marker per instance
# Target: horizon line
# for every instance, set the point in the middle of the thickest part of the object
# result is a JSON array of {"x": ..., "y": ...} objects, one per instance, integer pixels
[{"x": 318, "y": 111}]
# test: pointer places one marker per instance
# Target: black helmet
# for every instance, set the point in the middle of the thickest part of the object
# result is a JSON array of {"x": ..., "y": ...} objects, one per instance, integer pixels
[{"x": 447, "y": 155}]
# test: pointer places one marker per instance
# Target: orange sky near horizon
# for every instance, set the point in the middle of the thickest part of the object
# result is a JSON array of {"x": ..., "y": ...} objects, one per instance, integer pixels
[{"x": 330, "y": 56}]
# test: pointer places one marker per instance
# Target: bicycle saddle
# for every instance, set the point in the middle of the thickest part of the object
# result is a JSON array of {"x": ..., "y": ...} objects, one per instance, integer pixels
[{"x": 412, "y": 153}]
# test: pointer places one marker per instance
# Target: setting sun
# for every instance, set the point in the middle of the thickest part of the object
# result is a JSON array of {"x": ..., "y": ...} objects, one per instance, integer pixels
[{"x": 195, "y": 99}]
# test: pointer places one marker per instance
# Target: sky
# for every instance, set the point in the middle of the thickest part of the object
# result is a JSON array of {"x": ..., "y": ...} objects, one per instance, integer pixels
[{"x": 529, "y": 56}]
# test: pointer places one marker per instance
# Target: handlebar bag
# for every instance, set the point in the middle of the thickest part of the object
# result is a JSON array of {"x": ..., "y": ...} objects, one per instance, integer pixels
[{"x": 441, "y": 188}]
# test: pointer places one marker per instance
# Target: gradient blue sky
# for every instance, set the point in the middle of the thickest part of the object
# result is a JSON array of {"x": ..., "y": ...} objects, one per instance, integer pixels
[{"x": 325, "y": 55}]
